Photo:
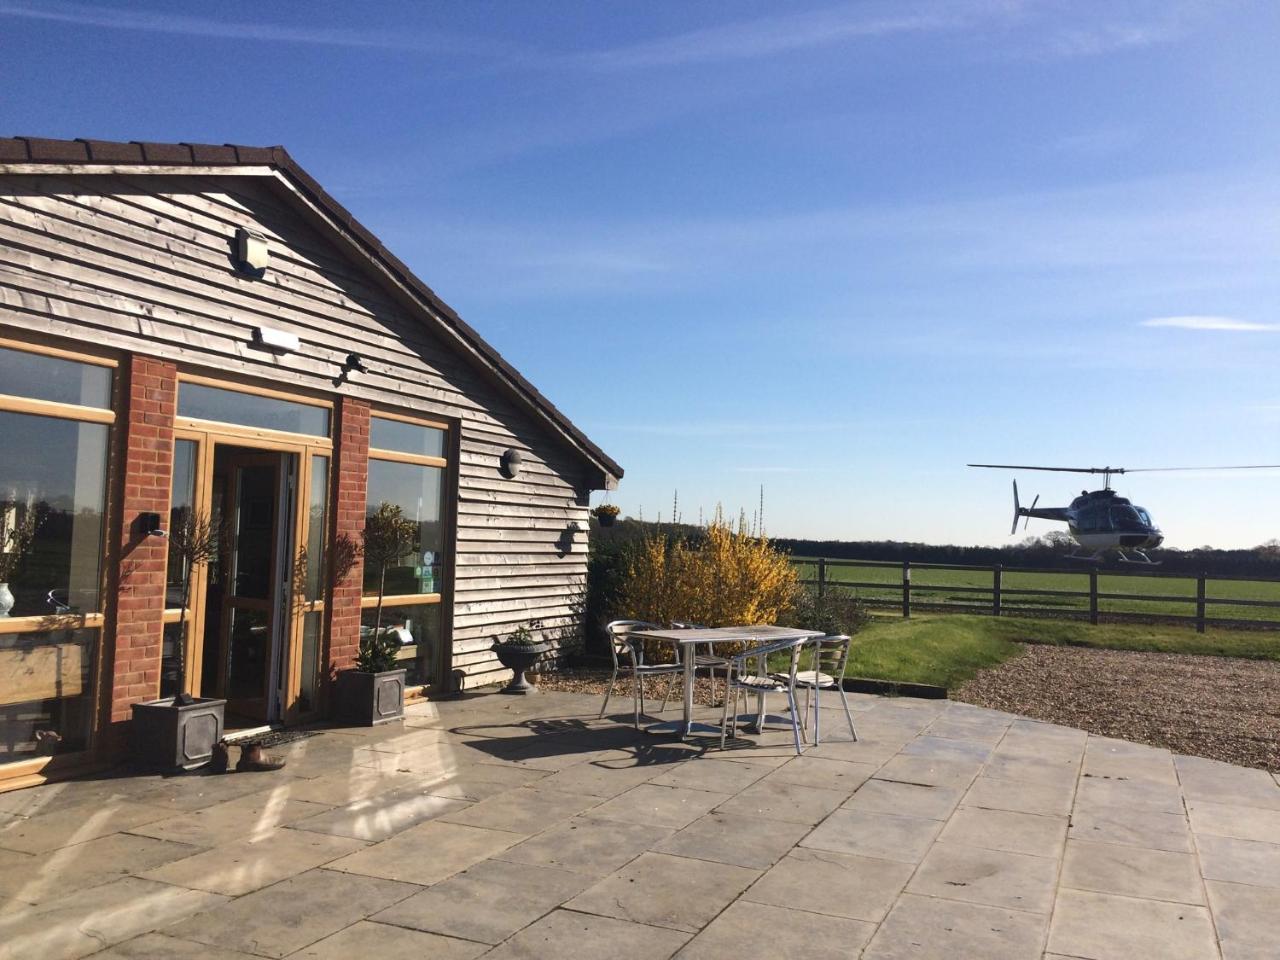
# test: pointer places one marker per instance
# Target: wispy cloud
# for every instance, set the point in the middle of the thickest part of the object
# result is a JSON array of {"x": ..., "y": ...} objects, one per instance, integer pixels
[
  {"x": 770, "y": 469},
  {"x": 1195, "y": 322},
  {"x": 160, "y": 21},
  {"x": 770, "y": 36}
]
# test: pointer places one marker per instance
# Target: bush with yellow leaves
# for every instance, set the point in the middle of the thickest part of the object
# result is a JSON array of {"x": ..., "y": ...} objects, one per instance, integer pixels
[{"x": 723, "y": 577}]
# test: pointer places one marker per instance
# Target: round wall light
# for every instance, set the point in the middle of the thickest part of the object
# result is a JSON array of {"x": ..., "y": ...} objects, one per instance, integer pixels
[{"x": 511, "y": 460}]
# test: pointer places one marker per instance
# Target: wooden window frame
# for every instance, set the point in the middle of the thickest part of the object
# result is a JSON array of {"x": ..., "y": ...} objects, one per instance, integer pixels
[
  {"x": 447, "y": 511},
  {"x": 35, "y": 770}
]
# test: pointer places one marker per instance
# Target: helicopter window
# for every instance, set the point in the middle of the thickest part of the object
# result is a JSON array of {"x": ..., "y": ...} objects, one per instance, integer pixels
[
  {"x": 1095, "y": 520},
  {"x": 1143, "y": 516},
  {"x": 1124, "y": 518}
]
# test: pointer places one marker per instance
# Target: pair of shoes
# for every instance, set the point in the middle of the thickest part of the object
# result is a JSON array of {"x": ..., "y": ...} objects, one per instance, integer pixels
[
  {"x": 221, "y": 758},
  {"x": 252, "y": 759}
]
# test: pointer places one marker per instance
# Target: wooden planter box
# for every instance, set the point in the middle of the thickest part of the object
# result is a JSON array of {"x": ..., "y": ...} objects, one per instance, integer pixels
[
  {"x": 369, "y": 699},
  {"x": 167, "y": 736}
]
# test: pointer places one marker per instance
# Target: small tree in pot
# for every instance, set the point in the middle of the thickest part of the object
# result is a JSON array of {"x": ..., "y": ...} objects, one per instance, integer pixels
[
  {"x": 180, "y": 731},
  {"x": 518, "y": 652},
  {"x": 373, "y": 692}
]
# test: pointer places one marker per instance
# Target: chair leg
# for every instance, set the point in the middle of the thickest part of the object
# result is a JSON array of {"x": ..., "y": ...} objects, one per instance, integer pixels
[
  {"x": 817, "y": 715},
  {"x": 608, "y": 692},
  {"x": 724, "y": 719},
  {"x": 635, "y": 696},
  {"x": 640, "y": 681},
  {"x": 671, "y": 686},
  {"x": 847, "y": 712},
  {"x": 795, "y": 721}
]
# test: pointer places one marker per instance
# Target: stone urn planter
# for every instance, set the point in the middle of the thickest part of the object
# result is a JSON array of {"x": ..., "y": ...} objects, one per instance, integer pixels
[
  {"x": 175, "y": 735},
  {"x": 368, "y": 699},
  {"x": 518, "y": 657}
]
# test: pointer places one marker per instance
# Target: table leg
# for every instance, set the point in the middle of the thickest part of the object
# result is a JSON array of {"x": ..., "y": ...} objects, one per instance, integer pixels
[{"x": 687, "y": 650}]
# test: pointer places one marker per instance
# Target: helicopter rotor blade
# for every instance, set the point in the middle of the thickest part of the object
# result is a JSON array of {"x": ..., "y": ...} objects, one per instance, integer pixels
[
  {"x": 1250, "y": 466},
  {"x": 1033, "y": 506},
  {"x": 1014, "y": 466}
]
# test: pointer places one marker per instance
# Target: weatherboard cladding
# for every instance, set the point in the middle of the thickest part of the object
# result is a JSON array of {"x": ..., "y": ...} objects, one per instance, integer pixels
[{"x": 140, "y": 263}]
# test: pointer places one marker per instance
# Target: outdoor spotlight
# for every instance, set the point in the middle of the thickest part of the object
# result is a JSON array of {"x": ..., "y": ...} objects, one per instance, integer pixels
[
  {"x": 280, "y": 341},
  {"x": 511, "y": 460},
  {"x": 251, "y": 251},
  {"x": 354, "y": 362}
]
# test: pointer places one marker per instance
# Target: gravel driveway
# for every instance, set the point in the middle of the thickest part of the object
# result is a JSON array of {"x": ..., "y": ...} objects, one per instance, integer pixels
[{"x": 1217, "y": 707}]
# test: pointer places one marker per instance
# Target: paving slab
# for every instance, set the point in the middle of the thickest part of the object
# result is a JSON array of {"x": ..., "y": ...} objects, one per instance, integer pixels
[
  {"x": 824, "y": 773},
  {"x": 428, "y": 853},
  {"x": 1232, "y": 820},
  {"x": 87, "y": 865},
  {"x": 773, "y": 799},
  {"x": 1132, "y": 872},
  {"x": 879, "y": 835},
  {"x": 292, "y": 914},
  {"x": 244, "y": 818},
  {"x": 588, "y": 845},
  {"x": 238, "y": 868},
  {"x": 1029, "y": 833},
  {"x": 997, "y": 878},
  {"x": 735, "y": 839},
  {"x": 666, "y": 891},
  {"x": 923, "y": 928},
  {"x": 673, "y": 807},
  {"x": 1046, "y": 799},
  {"x": 905, "y": 799},
  {"x": 365, "y": 939},
  {"x": 834, "y": 884},
  {"x": 1220, "y": 782},
  {"x": 1247, "y": 918},
  {"x": 85, "y": 921},
  {"x": 1239, "y": 861},
  {"x": 526, "y": 810},
  {"x": 381, "y": 816},
  {"x": 1101, "y": 926},
  {"x": 569, "y": 935},
  {"x": 75, "y": 824},
  {"x": 1134, "y": 827},
  {"x": 726, "y": 778},
  {"x": 487, "y": 902},
  {"x": 1134, "y": 794},
  {"x": 752, "y": 931}
]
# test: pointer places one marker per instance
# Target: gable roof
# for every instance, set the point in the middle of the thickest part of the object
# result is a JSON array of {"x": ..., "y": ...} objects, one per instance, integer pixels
[{"x": 105, "y": 153}]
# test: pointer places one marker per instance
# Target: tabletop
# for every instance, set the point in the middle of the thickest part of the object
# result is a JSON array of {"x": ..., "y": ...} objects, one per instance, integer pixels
[{"x": 727, "y": 634}]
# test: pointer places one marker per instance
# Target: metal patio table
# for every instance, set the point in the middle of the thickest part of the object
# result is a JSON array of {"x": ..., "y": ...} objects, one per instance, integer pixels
[{"x": 686, "y": 641}]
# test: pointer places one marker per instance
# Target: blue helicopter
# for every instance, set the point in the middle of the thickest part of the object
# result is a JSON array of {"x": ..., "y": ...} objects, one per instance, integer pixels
[{"x": 1102, "y": 521}]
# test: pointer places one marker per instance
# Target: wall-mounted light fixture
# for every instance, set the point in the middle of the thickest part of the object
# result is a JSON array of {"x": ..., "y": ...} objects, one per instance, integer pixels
[
  {"x": 510, "y": 464},
  {"x": 281, "y": 341},
  {"x": 252, "y": 254}
]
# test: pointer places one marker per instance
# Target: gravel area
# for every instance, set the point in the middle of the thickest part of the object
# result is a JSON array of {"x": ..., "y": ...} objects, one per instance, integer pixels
[{"x": 1217, "y": 707}]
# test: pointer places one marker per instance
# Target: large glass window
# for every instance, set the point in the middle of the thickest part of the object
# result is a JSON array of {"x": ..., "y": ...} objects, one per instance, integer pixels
[
  {"x": 419, "y": 493},
  {"x": 407, "y": 471},
  {"x": 203, "y": 402},
  {"x": 53, "y": 499}
]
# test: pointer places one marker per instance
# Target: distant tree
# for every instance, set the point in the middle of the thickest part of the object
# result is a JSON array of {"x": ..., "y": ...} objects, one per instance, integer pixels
[{"x": 1269, "y": 551}]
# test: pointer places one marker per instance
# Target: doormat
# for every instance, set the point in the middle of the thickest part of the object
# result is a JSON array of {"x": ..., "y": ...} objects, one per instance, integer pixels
[{"x": 279, "y": 737}]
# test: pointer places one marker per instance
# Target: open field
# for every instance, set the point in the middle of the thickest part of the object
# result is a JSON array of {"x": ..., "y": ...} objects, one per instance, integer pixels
[{"x": 1147, "y": 593}]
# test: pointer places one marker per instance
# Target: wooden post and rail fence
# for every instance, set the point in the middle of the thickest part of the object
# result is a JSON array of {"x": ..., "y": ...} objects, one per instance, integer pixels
[{"x": 897, "y": 591}]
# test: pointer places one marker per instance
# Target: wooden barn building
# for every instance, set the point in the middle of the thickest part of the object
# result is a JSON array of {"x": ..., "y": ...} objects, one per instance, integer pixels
[{"x": 202, "y": 330}]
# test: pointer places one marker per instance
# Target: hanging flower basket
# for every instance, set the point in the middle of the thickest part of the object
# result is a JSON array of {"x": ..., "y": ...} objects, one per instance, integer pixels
[{"x": 606, "y": 513}]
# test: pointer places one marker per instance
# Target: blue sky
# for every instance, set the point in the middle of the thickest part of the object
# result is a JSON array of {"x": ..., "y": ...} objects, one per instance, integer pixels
[{"x": 834, "y": 249}]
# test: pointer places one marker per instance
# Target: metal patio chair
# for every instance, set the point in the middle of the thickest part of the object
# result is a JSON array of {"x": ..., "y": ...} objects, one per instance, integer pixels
[
  {"x": 830, "y": 656},
  {"x": 707, "y": 660},
  {"x": 628, "y": 660},
  {"x": 748, "y": 672}
]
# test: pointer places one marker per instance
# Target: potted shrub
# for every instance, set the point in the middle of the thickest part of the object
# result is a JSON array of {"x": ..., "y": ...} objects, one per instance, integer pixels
[
  {"x": 606, "y": 513},
  {"x": 518, "y": 652},
  {"x": 373, "y": 692},
  {"x": 179, "y": 732}
]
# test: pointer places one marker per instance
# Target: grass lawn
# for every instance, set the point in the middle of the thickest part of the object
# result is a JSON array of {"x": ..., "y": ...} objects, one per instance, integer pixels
[
  {"x": 1160, "y": 595},
  {"x": 947, "y": 650}
]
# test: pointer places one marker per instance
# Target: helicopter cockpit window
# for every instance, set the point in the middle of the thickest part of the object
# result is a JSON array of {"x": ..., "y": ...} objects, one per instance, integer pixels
[{"x": 1125, "y": 518}]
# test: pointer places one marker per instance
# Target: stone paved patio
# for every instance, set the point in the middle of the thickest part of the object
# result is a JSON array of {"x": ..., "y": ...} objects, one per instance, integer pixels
[{"x": 512, "y": 828}]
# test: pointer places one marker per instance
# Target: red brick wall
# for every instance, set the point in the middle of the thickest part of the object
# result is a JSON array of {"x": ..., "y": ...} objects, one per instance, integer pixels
[
  {"x": 152, "y": 391},
  {"x": 351, "y": 468}
]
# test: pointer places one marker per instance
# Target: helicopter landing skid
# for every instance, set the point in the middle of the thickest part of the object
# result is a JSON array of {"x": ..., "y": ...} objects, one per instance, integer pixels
[{"x": 1143, "y": 561}]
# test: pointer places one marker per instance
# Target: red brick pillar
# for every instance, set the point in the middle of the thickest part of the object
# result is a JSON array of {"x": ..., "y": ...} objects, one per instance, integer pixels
[
  {"x": 147, "y": 470},
  {"x": 351, "y": 468}
]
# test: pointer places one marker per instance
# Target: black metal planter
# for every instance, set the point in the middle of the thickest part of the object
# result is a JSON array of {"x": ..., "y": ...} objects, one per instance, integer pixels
[
  {"x": 369, "y": 699},
  {"x": 169, "y": 736},
  {"x": 518, "y": 658},
  {"x": 606, "y": 519}
]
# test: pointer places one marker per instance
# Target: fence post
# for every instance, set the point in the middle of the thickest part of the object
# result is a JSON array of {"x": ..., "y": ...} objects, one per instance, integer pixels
[
  {"x": 995, "y": 590},
  {"x": 1200, "y": 591},
  {"x": 906, "y": 589},
  {"x": 1093, "y": 596},
  {"x": 822, "y": 576}
]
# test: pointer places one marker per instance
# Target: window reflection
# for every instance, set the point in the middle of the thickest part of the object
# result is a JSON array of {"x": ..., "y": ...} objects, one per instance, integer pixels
[
  {"x": 406, "y": 437},
  {"x": 251, "y": 410},
  {"x": 46, "y": 692},
  {"x": 53, "y": 483},
  {"x": 40, "y": 377},
  {"x": 417, "y": 626},
  {"x": 418, "y": 491}
]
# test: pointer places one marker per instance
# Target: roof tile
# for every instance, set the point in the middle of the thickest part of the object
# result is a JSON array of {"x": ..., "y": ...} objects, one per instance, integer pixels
[
  {"x": 212, "y": 153},
  {"x": 166, "y": 152},
  {"x": 57, "y": 151},
  {"x": 108, "y": 151},
  {"x": 253, "y": 154},
  {"x": 13, "y": 150}
]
